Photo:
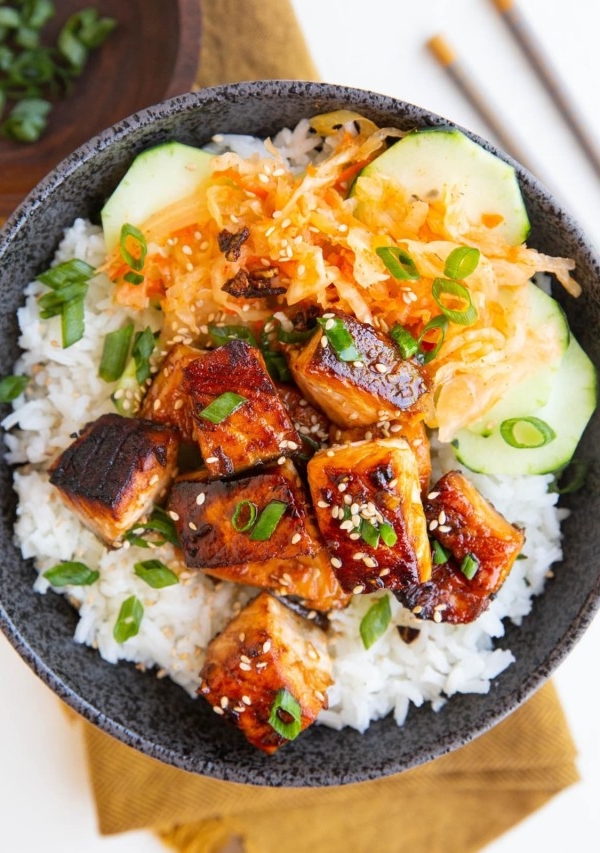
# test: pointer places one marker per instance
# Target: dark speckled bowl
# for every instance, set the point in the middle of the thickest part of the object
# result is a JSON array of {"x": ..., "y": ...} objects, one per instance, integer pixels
[{"x": 156, "y": 716}]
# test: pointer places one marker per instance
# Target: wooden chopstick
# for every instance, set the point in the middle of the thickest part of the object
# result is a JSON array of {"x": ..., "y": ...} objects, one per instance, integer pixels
[
  {"x": 445, "y": 55},
  {"x": 531, "y": 49}
]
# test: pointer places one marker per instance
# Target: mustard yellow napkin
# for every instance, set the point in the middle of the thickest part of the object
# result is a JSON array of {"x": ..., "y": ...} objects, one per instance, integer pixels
[{"x": 456, "y": 804}]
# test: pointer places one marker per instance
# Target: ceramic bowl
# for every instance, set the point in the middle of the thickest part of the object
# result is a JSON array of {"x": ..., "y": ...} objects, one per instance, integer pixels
[{"x": 155, "y": 716}]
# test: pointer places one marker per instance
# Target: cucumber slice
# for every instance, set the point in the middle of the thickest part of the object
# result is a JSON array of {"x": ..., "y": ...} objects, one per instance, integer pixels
[
  {"x": 567, "y": 412},
  {"x": 426, "y": 161},
  {"x": 533, "y": 392},
  {"x": 157, "y": 178}
]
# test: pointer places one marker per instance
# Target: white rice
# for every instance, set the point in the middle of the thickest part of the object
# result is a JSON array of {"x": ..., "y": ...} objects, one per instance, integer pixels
[{"x": 180, "y": 620}]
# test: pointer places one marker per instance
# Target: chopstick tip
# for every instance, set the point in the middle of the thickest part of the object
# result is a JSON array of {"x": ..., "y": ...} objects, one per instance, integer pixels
[
  {"x": 503, "y": 5},
  {"x": 440, "y": 48}
]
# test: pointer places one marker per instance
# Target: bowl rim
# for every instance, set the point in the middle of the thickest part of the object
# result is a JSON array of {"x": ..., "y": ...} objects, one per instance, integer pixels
[{"x": 65, "y": 171}]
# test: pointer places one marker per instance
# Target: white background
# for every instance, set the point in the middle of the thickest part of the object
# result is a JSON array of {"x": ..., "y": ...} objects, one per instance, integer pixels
[{"x": 45, "y": 801}]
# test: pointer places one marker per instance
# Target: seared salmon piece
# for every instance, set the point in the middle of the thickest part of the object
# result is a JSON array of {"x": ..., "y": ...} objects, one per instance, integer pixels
[
  {"x": 221, "y": 523},
  {"x": 246, "y": 424},
  {"x": 310, "y": 423},
  {"x": 310, "y": 578},
  {"x": 268, "y": 663},
  {"x": 378, "y": 386},
  {"x": 114, "y": 472},
  {"x": 368, "y": 507},
  {"x": 411, "y": 430},
  {"x": 167, "y": 401},
  {"x": 480, "y": 547}
]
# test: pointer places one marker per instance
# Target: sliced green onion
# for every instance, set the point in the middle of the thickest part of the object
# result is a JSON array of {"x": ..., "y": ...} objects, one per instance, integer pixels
[
  {"x": 369, "y": 533},
  {"x": 461, "y": 262},
  {"x": 71, "y": 573},
  {"x": 295, "y": 336},
  {"x": 444, "y": 287},
  {"x": 374, "y": 623},
  {"x": 68, "y": 272},
  {"x": 277, "y": 365},
  {"x": 155, "y": 573},
  {"x": 286, "y": 715},
  {"x": 72, "y": 322},
  {"x": 223, "y": 406},
  {"x": 399, "y": 263},
  {"x": 439, "y": 324},
  {"x": 268, "y": 520},
  {"x": 576, "y": 471},
  {"x": 526, "y": 433},
  {"x": 143, "y": 347},
  {"x": 131, "y": 234},
  {"x": 133, "y": 278},
  {"x": 69, "y": 283},
  {"x": 342, "y": 342},
  {"x": 223, "y": 334},
  {"x": 439, "y": 553},
  {"x": 244, "y": 516},
  {"x": 129, "y": 619},
  {"x": 27, "y": 120},
  {"x": 114, "y": 353},
  {"x": 12, "y": 387},
  {"x": 406, "y": 343},
  {"x": 469, "y": 566},
  {"x": 388, "y": 535},
  {"x": 160, "y": 523}
]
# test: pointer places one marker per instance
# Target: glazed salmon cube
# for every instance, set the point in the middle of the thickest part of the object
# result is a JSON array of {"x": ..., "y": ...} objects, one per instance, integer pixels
[
  {"x": 368, "y": 508},
  {"x": 222, "y": 523},
  {"x": 266, "y": 650},
  {"x": 310, "y": 423},
  {"x": 480, "y": 547},
  {"x": 246, "y": 424},
  {"x": 377, "y": 386},
  {"x": 309, "y": 578},
  {"x": 167, "y": 400},
  {"x": 411, "y": 430},
  {"x": 114, "y": 472}
]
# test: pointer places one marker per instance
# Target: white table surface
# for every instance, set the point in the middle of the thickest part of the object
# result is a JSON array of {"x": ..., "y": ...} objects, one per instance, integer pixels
[{"x": 45, "y": 800}]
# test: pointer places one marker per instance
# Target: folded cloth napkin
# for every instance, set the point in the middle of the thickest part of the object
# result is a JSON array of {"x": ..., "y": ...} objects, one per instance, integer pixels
[{"x": 457, "y": 803}]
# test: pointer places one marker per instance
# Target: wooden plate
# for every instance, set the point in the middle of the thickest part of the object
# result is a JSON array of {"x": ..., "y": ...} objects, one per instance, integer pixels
[{"x": 151, "y": 55}]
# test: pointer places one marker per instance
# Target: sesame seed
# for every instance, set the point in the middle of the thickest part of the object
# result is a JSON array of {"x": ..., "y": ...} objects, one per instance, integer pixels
[
  {"x": 261, "y": 665},
  {"x": 246, "y": 700},
  {"x": 187, "y": 250},
  {"x": 192, "y": 526},
  {"x": 156, "y": 405},
  {"x": 178, "y": 404},
  {"x": 347, "y": 500},
  {"x": 330, "y": 453},
  {"x": 245, "y": 659},
  {"x": 324, "y": 341},
  {"x": 354, "y": 536},
  {"x": 173, "y": 515},
  {"x": 417, "y": 608},
  {"x": 218, "y": 710},
  {"x": 200, "y": 498},
  {"x": 296, "y": 538},
  {"x": 224, "y": 701},
  {"x": 393, "y": 483},
  {"x": 292, "y": 445},
  {"x": 335, "y": 511},
  {"x": 245, "y": 667},
  {"x": 384, "y": 572},
  {"x": 358, "y": 556},
  {"x": 322, "y": 504},
  {"x": 266, "y": 647},
  {"x": 281, "y": 460},
  {"x": 336, "y": 562},
  {"x": 370, "y": 563},
  {"x": 320, "y": 696},
  {"x": 210, "y": 460},
  {"x": 347, "y": 525},
  {"x": 437, "y": 616},
  {"x": 342, "y": 487},
  {"x": 358, "y": 589},
  {"x": 286, "y": 223},
  {"x": 381, "y": 368},
  {"x": 301, "y": 270},
  {"x": 241, "y": 637},
  {"x": 264, "y": 179},
  {"x": 433, "y": 524},
  {"x": 433, "y": 495},
  {"x": 444, "y": 528},
  {"x": 154, "y": 479},
  {"x": 442, "y": 517},
  {"x": 329, "y": 324}
]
